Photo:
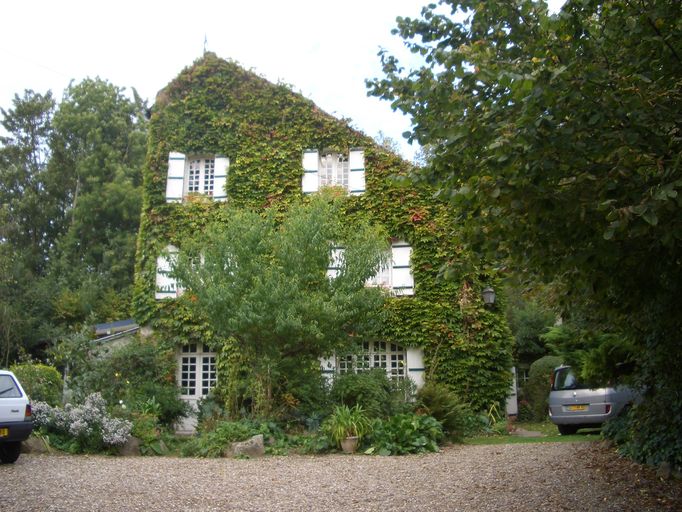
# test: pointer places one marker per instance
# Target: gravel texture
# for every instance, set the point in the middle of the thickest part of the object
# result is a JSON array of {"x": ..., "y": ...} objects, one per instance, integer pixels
[{"x": 528, "y": 477}]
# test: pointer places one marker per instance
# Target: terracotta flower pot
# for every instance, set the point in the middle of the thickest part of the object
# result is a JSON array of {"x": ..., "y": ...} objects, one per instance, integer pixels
[{"x": 350, "y": 444}]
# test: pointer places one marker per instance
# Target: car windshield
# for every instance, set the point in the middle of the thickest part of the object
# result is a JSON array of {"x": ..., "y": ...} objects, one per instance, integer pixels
[
  {"x": 8, "y": 388},
  {"x": 564, "y": 378}
]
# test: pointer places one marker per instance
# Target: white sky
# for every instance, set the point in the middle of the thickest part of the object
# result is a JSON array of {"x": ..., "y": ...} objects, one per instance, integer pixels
[{"x": 325, "y": 49}]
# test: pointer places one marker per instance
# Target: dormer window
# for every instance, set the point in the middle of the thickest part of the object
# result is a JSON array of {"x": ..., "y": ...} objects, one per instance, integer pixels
[
  {"x": 333, "y": 170},
  {"x": 196, "y": 175},
  {"x": 201, "y": 176},
  {"x": 327, "y": 168}
]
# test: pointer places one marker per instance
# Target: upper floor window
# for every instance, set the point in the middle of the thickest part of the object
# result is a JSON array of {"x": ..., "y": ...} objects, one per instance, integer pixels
[
  {"x": 395, "y": 276},
  {"x": 334, "y": 169},
  {"x": 200, "y": 174}
]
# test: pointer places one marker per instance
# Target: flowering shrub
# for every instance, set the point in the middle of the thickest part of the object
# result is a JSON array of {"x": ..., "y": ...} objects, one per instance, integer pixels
[{"x": 82, "y": 428}]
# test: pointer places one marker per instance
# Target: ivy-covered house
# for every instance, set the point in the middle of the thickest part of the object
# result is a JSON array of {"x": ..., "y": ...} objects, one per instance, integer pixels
[{"x": 221, "y": 134}]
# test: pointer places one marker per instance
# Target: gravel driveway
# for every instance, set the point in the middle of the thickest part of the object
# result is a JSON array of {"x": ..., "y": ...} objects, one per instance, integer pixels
[{"x": 542, "y": 476}]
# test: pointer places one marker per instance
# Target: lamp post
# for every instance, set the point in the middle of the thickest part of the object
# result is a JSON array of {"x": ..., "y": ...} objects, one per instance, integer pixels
[{"x": 488, "y": 296}]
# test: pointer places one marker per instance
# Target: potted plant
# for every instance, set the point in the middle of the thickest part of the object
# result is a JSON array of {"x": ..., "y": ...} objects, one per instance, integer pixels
[{"x": 346, "y": 427}]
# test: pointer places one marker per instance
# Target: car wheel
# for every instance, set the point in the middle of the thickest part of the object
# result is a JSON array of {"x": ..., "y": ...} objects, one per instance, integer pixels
[
  {"x": 567, "y": 430},
  {"x": 9, "y": 452}
]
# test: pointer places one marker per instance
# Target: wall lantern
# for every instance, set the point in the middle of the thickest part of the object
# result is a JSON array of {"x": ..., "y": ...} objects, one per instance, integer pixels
[{"x": 488, "y": 296}]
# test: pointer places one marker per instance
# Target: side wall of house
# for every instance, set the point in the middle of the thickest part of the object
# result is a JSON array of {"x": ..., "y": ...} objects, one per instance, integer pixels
[{"x": 262, "y": 131}]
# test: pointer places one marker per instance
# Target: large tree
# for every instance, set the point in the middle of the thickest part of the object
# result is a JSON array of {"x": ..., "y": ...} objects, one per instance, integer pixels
[
  {"x": 95, "y": 175},
  {"x": 24, "y": 153},
  {"x": 264, "y": 284},
  {"x": 558, "y": 138}
]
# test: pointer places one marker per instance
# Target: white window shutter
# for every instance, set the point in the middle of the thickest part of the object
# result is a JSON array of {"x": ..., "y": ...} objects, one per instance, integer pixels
[
  {"x": 222, "y": 166},
  {"x": 166, "y": 286},
  {"x": 335, "y": 263},
  {"x": 356, "y": 175},
  {"x": 176, "y": 177},
  {"x": 311, "y": 162},
  {"x": 402, "y": 280}
]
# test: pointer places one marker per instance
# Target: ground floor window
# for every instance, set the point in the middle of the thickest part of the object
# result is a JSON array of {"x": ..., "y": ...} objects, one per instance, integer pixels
[
  {"x": 197, "y": 367},
  {"x": 375, "y": 354}
]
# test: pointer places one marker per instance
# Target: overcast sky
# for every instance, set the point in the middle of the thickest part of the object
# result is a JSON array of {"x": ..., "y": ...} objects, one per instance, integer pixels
[{"x": 324, "y": 49}]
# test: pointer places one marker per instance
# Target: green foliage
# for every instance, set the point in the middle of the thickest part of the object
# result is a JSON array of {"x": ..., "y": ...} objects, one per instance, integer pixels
[
  {"x": 539, "y": 383},
  {"x": 41, "y": 382},
  {"x": 556, "y": 139},
  {"x": 372, "y": 390},
  {"x": 216, "y": 107},
  {"x": 405, "y": 433},
  {"x": 264, "y": 284},
  {"x": 83, "y": 428},
  {"x": 213, "y": 443},
  {"x": 439, "y": 401},
  {"x": 528, "y": 321},
  {"x": 346, "y": 422},
  {"x": 139, "y": 374}
]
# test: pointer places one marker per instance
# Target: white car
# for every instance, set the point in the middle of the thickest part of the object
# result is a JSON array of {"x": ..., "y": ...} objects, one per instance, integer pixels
[{"x": 16, "y": 422}]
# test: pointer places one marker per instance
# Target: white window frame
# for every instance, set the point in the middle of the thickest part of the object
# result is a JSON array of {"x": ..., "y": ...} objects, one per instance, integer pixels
[
  {"x": 396, "y": 276},
  {"x": 196, "y": 175},
  {"x": 199, "y": 176},
  {"x": 334, "y": 169},
  {"x": 376, "y": 354},
  {"x": 196, "y": 371}
]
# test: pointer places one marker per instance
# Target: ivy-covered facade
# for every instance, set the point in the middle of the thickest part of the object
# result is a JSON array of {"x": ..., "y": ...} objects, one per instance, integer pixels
[{"x": 220, "y": 134}]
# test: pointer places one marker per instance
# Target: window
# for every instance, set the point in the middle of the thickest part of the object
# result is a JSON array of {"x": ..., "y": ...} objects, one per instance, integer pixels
[
  {"x": 201, "y": 176},
  {"x": 375, "y": 354},
  {"x": 198, "y": 174},
  {"x": 397, "y": 275},
  {"x": 334, "y": 169},
  {"x": 197, "y": 370}
]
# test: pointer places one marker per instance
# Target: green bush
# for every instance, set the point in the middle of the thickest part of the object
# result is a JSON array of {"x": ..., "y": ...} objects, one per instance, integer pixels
[
  {"x": 213, "y": 443},
  {"x": 135, "y": 374},
  {"x": 538, "y": 386},
  {"x": 373, "y": 391},
  {"x": 405, "y": 433},
  {"x": 82, "y": 428},
  {"x": 441, "y": 402},
  {"x": 41, "y": 382}
]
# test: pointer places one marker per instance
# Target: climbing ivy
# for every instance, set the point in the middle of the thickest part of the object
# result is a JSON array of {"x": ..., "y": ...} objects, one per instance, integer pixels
[{"x": 217, "y": 107}]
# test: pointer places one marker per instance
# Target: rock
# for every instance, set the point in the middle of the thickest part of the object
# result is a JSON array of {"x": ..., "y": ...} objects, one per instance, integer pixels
[
  {"x": 34, "y": 445},
  {"x": 254, "y": 447},
  {"x": 664, "y": 471},
  {"x": 131, "y": 448}
]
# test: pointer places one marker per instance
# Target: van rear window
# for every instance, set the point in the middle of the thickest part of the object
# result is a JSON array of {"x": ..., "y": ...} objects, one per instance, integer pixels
[
  {"x": 8, "y": 388},
  {"x": 564, "y": 378}
]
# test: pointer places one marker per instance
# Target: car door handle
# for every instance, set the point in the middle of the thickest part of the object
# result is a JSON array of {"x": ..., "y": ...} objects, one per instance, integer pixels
[{"x": 14, "y": 410}]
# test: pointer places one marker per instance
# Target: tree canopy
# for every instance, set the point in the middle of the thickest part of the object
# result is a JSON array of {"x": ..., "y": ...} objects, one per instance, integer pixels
[
  {"x": 263, "y": 283},
  {"x": 558, "y": 139}
]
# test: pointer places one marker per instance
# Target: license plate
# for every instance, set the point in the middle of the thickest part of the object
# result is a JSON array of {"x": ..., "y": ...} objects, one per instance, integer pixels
[
  {"x": 4, "y": 432},
  {"x": 577, "y": 407}
]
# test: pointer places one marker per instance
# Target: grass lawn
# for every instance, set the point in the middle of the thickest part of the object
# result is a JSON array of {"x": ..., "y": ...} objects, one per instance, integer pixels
[{"x": 549, "y": 434}]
